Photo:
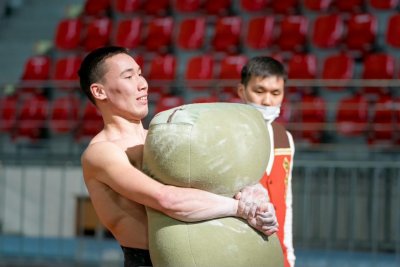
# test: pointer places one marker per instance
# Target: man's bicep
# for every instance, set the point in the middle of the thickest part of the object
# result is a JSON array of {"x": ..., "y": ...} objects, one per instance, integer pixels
[{"x": 111, "y": 166}]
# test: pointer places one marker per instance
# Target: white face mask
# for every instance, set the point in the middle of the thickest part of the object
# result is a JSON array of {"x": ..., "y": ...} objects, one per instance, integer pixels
[{"x": 269, "y": 113}]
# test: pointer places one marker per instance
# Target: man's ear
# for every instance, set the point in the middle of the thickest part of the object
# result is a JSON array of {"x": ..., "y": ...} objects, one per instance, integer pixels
[
  {"x": 98, "y": 91},
  {"x": 240, "y": 92}
]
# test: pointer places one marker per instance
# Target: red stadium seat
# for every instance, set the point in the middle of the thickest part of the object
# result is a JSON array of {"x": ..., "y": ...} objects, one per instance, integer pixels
[
  {"x": 96, "y": 7},
  {"x": 8, "y": 113},
  {"x": 230, "y": 72},
  {"x": 64, "y": 114},
  {"x": 37, "y": 68},
  {"x": 187, "y": 5},
  {"x": 328, "y": 31},
  {"x": 66, "y": 68},
  {"x": 317, "y": 5},
  {"x": 162, "y": 74},
  {"x": 200, "y": 69},
  {"x": 98, "y": 33},
  {"x": 168, "y": 102},
  {"x": 163, "y": 68},
  {"x": 378, "y": 66},
  {"x": 191, "y": 33},
  {"x": 128, "y": 33},
  {"x": 361, "y": 32},
  {"x": 251, "y": 5},
  {"x": 393, "y": 31},
  {"x": 349, "y": 6},
  {"x": 352, "y": 116},
  {"x": 156, "y": 7},
  {"x": 293, "y": 33},
  {"x": 231, "y": 67},
  {"x": 260, "y": 32},
  {"x": 227, "y": 34},
  {"x": 285, "y": 6},
  {"x": 90, "y": 123},
  {"x": 127, "y": 6},
  {"x": 384, "y": 4},
  {"x": 384, "y": 121},
  {"x": 68, "y": 34},
  {"x": 302, "y": 66},
  {"x": 159, "y": 34},
  {"x": 220, "y": 7},
  {"x": 313, "y": 117},
  {"x": 338, "y": 67},
  {"x": 31, "y": 119}
]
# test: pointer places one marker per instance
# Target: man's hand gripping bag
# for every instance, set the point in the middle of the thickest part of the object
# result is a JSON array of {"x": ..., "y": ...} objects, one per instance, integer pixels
[{"x": 220, "y": 148}]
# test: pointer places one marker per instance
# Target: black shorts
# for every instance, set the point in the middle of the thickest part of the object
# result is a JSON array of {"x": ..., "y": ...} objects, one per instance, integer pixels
[{"x": 135, "y": 257}]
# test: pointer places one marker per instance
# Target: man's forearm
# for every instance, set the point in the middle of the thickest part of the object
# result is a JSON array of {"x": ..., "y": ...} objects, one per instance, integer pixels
[{"x": 191, "y": 205}]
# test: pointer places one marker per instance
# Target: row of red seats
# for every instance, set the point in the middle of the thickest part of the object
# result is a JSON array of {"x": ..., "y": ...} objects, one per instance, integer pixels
[
  {"x": 210, "y": 71},
  {"x": 161, "y": 7},
  {"x": 292, "y": 33},
  {"x": 307, "y": 118},
  {"x": 27, "y": 117}
]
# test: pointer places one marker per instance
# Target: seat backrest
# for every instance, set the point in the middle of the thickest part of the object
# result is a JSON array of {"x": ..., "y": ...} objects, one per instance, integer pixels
[
  {"x": 220, "y": 7},
  {"x": 163, "y": 67},
  {"x": 288, "y": 7},
  {"x": 127, "y": 6},
  {"x": 317, "y": 5},
  {"x": 260, "y": 32},
  {"x": 156, "y": 7},
  {"x": 96, "y": 7},
  {"x": 37, "y": 68},
  {"x": 328, "y": 31},
  {"x": 159, "y": 34},
  {"x": 378, "y": 66},
  {"x": 302, "y": 66},
  {"x": 97, "y": 33},
  {"x": 393, "y": 31},
  {"x": 66, "y": 68},
  {"x": 231, "y": 67},
  {"x": 8, "y": 113},
  {"x": 64, "y": 114},
  {"x": 227, "y": 34},
  {"x": 352, "y": 115},
  {"x": 251, "y": 5},
  {"x": 200, "y": 68},
  {"x": 383, "y": 4},
  {"x": 338, "y": 66},
  {"x": 361, "y": 32},
  {"x": 68, "y": 34},
  {"x": 292, "y": 33},
  {"x": 191, "y": 33},
  {"x": 128, "y": 33},
  {"x": 349, "y": 6},
  {"x": 184, "y": 6}
]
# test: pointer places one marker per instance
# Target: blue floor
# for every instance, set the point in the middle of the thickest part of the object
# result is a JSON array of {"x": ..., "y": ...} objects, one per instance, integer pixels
[{"x": 21, "y": 252}]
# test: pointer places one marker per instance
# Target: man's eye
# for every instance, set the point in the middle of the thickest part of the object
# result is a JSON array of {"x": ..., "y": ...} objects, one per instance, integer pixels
[{"x": 128, "y": 77}]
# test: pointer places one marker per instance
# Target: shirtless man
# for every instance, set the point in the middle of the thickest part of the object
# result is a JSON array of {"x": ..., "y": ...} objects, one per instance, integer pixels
[{"x": 112, "y": 80}]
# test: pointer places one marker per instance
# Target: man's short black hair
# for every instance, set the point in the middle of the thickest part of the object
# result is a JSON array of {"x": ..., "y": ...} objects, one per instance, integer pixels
[
  {"x": 92, "y": 68},
  {"x": 262, "y": 66}
]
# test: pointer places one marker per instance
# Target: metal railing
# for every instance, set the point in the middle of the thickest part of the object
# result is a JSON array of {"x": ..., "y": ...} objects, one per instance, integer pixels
[{"x": 338, "y": 205}]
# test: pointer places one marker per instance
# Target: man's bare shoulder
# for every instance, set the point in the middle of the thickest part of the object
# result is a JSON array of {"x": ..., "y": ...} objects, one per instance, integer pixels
[{"x": 101, "y": 154}]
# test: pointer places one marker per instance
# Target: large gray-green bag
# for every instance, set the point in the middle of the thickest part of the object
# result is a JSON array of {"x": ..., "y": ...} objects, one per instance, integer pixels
[{"x": 221, "y": 148}]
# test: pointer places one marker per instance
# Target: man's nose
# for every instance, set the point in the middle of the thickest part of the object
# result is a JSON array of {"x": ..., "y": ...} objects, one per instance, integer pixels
[
  {"x": 267, "y": 100},
  {"x": 142, "y": 84}
]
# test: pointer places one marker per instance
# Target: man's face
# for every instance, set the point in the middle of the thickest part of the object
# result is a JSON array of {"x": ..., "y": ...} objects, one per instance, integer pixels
[
  {"x": 125, "y": 87},
  {"x": 267, "y": 91}
]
